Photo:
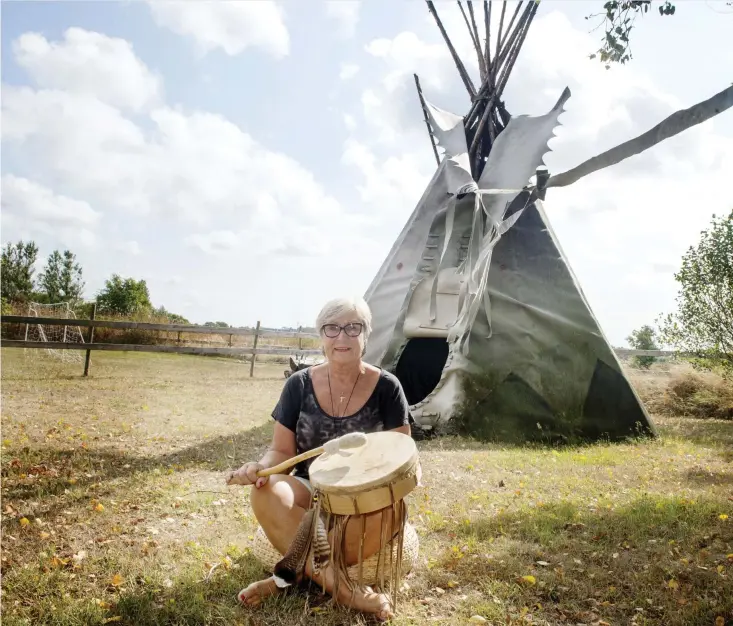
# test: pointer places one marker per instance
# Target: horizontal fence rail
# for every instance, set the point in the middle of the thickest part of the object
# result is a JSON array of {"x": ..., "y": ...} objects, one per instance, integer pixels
[
  {"x": 256, "y": 333},
  {"x": 89, "y": 345},
  {"x": 136, "y": 347},
  {"x": 171, "y": 328}
]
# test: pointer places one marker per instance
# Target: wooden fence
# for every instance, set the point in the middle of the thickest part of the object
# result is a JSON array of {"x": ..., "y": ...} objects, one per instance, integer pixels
[
  {"x": 230, "y": 350},
  {"x": 92, "y": 323}
]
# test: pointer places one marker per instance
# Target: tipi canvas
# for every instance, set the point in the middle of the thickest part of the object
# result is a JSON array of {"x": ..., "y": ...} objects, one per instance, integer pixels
[
  {"x": 476, "y": 286},
  {"x": 476, "y": 293}
]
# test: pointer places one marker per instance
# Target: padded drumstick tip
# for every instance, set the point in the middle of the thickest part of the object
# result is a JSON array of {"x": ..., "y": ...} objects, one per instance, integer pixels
[{"x": 350, "y": 440}]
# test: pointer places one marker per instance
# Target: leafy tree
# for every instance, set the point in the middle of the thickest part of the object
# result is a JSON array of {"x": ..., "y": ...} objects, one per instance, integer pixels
[
  {"x": 643, "y": 339},
  {"x": 124, "y": 296},
  {"x": 618, "y": 22},
  {"x": 17, "y": 270},
  {"x": 217, "y": 324},
  {"x": 61, "y": 278},
  {"x": 703, "y": 323},
  {"x": 173, "y": 318}
]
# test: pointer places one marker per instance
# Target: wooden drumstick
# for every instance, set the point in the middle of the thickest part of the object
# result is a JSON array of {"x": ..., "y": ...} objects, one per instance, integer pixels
[{"x": 350, "y": 440}]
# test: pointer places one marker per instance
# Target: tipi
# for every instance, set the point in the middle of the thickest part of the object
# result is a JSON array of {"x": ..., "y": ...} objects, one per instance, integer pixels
[{"x": 476, "y": 292}]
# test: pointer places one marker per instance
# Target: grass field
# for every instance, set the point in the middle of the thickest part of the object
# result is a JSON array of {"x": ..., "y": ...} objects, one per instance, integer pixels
[{"x": 115, "y": 510}]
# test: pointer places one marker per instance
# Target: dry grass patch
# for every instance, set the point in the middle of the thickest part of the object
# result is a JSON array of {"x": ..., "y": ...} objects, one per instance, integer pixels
[
  {"x": 114, "y": 510},
  {"x": 680, "y": 390}
]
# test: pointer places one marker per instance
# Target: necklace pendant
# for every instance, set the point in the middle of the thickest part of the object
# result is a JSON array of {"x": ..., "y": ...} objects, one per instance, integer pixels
[{"x": 341, "y": 398}]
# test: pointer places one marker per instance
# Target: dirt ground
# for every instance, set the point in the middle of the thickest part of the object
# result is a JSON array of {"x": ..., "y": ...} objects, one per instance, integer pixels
[{"x": 115, "y": 510}]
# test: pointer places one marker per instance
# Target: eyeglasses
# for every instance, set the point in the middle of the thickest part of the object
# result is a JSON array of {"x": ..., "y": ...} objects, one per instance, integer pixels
[{"x": 353, "y": 329}]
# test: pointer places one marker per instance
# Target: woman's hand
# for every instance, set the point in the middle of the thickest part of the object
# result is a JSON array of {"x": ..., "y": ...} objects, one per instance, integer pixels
[{"x": 247, "y": 475}]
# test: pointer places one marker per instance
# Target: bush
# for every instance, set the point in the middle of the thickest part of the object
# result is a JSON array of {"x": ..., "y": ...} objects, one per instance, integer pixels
[{"x": 684, "y": 392}]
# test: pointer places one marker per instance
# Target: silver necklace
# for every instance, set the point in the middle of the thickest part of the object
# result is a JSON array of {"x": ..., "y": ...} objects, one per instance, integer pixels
[{"x": 341, "y": 397}]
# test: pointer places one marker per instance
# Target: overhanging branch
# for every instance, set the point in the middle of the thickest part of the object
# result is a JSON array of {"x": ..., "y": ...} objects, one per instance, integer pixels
[{"x": 673, "y": 125}]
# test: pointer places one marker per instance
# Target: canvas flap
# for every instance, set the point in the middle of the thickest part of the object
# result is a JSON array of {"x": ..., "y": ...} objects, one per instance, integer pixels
[{"x": 417, "y": 320}]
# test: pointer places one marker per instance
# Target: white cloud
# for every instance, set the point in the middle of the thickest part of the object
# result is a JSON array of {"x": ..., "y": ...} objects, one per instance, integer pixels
[
  {"x": 32, "y": 211},
  {"x": 129, "y": 247},
  {"x": 232, "y": 26},
  {"x": 349, "y": 121},
  {"x": 345, "y": 13},
  {"x": 348, "y": 70},
  {"x": 197, "y": 165},
  {"x": 214, "y": 242},
  {"x": 27, "y": 199},
  {"x": 89, "y": 63}
]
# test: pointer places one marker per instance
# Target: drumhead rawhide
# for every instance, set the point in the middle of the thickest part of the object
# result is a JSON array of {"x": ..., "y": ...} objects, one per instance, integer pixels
[{"x": 368, "y": 478}]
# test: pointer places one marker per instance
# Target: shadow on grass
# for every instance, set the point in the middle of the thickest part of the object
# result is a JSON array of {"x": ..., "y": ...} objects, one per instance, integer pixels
[
  {"x": 54, "y": 468},
  {"x": 148, "y": 599},
  {"x": 580, "y": 565}
]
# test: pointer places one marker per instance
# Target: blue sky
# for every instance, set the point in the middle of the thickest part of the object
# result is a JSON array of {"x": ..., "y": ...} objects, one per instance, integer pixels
[{"x": 251, "y": 159}]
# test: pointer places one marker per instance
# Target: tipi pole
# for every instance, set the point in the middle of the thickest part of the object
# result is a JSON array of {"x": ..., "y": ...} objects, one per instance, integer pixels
[
  {"x": 479, "y": 52},
  {"x": 427, "y": 123},
  {"x": 456, "y": 59},
  {"x": 473, "y": 32},
  {"x": 511, "y": 22},
  {"x": 487, "y": 27}
]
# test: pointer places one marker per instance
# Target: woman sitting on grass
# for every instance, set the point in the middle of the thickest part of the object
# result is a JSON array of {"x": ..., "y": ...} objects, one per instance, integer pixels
[{"x": 342, "y": 395}]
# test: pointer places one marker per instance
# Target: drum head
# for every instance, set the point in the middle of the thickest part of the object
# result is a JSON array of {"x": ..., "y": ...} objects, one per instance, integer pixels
[{"x": 384, "y": 458}]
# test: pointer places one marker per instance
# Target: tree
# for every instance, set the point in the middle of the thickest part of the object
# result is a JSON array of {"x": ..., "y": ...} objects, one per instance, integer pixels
[
  {"x": 643, "y": 339},
  {"x": 124, "y": 296},
  {"x": 17, "y": 270},
  {"x": 703, "y": 323},
  {"x": 61, "y": 278},
  {"x": 618, "y": 22}
]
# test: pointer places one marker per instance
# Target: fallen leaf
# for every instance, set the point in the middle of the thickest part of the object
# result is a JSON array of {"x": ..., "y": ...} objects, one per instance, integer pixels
[
  {"x": 719, "y": 621},
  {"x": 44, "y": 535},
  {"x": 722, "y": 516},
  {"x": 99, "y": 508},
  {"x": 477, "y": 619},
  {"x": 530, "y": 580},
  {"x": 109, "y": 620},
  {"x": 117, "y": 580},
  {"x": 24, "y": 521},
  {"x": 672, "y": 584},
  {"x": 543, "y": 563}
]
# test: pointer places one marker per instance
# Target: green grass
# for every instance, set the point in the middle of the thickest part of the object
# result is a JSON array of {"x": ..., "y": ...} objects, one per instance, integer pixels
[{"x": 119, "y": 478}]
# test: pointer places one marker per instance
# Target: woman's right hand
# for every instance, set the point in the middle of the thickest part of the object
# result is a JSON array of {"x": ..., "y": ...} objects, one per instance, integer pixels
[{"x": 247, "y": 475}]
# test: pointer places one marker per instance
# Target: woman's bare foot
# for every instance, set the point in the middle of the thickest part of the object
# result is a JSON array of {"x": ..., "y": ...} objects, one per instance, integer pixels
[
  {"x": 254, "y": 594},
  {"x": 364, "y": 600},
  {"x": 368, "y": 601}
]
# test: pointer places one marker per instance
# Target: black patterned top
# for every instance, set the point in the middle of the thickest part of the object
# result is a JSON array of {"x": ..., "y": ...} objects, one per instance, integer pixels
[{"x": 298, "y": 410}]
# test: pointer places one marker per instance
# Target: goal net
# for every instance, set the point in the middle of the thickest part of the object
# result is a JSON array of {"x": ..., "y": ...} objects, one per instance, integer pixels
[{"x": 53, "y": 332}]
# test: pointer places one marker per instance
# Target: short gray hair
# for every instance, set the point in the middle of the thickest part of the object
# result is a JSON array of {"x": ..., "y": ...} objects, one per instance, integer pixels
[{"x": 333, "y": 309}]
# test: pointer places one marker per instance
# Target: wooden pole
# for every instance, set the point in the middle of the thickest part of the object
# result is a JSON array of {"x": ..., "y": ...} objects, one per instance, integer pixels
[
  {"x": 88, "y": 359},
  {"x": 456, "y": 59},
  {"x": 427, "y": 123},
  {"x": 254, "y": 351},
  {"x": 300, "y": 338}
]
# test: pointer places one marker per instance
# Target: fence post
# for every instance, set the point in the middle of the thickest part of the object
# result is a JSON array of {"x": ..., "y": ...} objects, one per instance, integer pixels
[
  {"x": 300, "y": 338},
  {"x": 90, "y": 340},
  {"x": 254, "y": 351}
]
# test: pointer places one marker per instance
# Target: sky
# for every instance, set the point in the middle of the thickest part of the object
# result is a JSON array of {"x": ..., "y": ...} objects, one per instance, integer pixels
[{"x": 252, "y": 159}]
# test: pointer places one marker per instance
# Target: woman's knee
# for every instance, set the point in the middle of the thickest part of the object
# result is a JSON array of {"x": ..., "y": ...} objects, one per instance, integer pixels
[{"x": 277, "y": 493}]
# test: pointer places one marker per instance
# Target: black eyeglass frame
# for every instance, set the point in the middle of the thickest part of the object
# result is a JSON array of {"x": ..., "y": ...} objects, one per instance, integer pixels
[{"x": 343, "y": 328}]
